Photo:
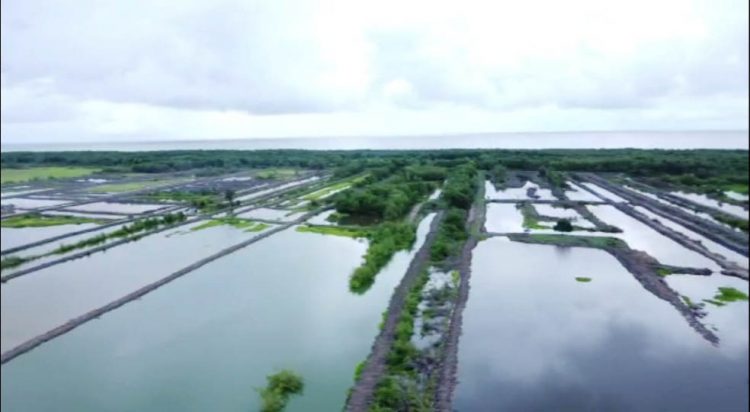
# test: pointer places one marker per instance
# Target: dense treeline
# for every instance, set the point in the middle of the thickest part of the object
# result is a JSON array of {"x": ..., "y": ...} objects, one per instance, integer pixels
[
  {"x": 458, "y": 194},
  {"x": 702, "y": 164},
  {"x": 385, "y": 240},
  {"x": 389, "y": 192}
]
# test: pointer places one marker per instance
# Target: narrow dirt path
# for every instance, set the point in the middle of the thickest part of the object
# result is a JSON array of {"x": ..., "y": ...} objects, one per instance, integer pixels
[{"x": 363, "y": 390}]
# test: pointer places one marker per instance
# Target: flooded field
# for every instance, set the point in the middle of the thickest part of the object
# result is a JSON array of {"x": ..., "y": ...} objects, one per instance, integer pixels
[
  {"x": 111, "y": 207},
  {"x": 37, "y": 302},
  {"x": 260, "y": 303},
  {"x": 642, "y": 237},
  {"x": 265, "y": 213},
  {"x": 27, "y": 203},
  {"x": 536, "y": 339},
  {"x": 14, "y": 237},
  {"x": 518, "y": 193},
  {"x": 503, "y": 217},
  {"x": 714, "y": 204}
]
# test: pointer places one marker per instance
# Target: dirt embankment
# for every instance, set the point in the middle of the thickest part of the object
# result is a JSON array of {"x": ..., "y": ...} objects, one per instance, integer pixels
[
  {"x": 644, "y": 268},
  {"x": 363, "y": 390},
  {"x": 722, "y": 235},
  {"x": 448, "y": 365}
]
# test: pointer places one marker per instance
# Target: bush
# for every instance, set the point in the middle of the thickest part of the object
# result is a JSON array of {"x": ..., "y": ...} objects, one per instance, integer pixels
[
  {"x": 563, "y": 225},
  {"x": 280, "y": 387}
]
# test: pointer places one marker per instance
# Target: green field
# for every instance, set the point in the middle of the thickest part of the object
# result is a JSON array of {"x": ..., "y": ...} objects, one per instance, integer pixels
[
  {"x": 8, "y": 175},
  {"x": 276, "y": 173},
  {"x": 130, "y": 186}
]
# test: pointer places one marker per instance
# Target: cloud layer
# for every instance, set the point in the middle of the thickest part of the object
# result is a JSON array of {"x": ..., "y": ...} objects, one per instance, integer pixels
[{"x": 203, "y": 69}]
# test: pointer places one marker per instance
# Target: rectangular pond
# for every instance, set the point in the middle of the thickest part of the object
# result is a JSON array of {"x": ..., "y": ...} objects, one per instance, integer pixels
[
  {"x": 39, "y": 301},
  {"x": 704, "y": 200},
  {"x": 640, "y": 236},
  {"x": 536, "y": 339},
  {"x": 207, "y": 340},
  {"x": 26, "y": 203},
  {"x": 113, "y": 207},
  {"x": 14, "y": 237}
]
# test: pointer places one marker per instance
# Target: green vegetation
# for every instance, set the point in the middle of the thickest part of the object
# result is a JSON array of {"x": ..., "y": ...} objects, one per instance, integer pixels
[
  {"x": 132, "y": 231},
  {"x": 131, "y": 186},
  {"x": 498, "y": 174},
  {"x": 12, "y": 261},
  {"x": 459, "y": 192},
  {"x": 385, "y": 240},
  {"x": 450, "y": 236},
  {"x": 728, "y": 294},
  {"x": 358, "y": 370},
  {"x": 320, "y": 193},
  {"x": 530, "y": 216},
  {"x": 334, "y": 230},
  {"x": 689, "y": 302},
  {"x": 714, "y": 302},
  {"x": 39, "y": 220},
  {"x": 17, "y": 175},
  {"x": 395, "y": 392},
  {"x": 598, "y": 242},
  {"x": 583, "y": 279},
  {"x": 663, "y": 272},
  {"x": 243, "y": 224},
  {"x": 280, "y": 387},
  {"x": 275, "y": 173},
  {"x": 204, "y": 200},
  {"x": 141, "y": 225},
  {"x": 563, "y": 225},
  {"x": 734, "y": 222}
]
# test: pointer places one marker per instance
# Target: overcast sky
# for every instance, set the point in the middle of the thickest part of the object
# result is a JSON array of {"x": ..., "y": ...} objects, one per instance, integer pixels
[{"x": 186, "y": 69}]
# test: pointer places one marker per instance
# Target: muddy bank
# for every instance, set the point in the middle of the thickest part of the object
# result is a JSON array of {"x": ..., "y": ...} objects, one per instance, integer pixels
[
  {"x": 78, "y": 321},
  {"x": 642, "y": 266},
  {"x": 448, "y": 361},
  {"x": 375, "y": 365},
  {"x": 722, "y": 235}
]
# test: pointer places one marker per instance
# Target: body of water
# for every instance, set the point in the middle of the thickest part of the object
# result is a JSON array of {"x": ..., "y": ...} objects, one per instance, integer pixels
[
  {"x": 567, "y": 140},
  {"x": 535, "y": 339}
]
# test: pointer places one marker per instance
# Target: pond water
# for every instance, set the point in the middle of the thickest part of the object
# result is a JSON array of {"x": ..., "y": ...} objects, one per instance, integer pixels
[
  {"x": 714, "y": 204},
  {"x": 736, "y": 196},
  {"x": 561, "y": 213},
  {"x": 640, "y": 236},
  {"x": 320, "y": 218},
  {"x": 437, "y": 192},
  {"x": 23, "y": 191},
  {"x": 271, "y": 214},
  {"x": 208, "y": 339},
  {"x": 517, "y": 193},
  {"x": 125, "y": 208},
  {"x": 25, "y": 203},
  {"x": 701, "y": 215},
  {"x": 708, "y": 243},
  {"x": 503, "y": 217},
  {"x": 37, "y": 302},
  {"x": 14, "y": 237},
  {"x": 604, "y": 192},
  {"x": 276, "y": 188},
  {"x": 726, "y": 321},
  {"x": 580, "y": 195},
  {"x": 535, "y": 339}
]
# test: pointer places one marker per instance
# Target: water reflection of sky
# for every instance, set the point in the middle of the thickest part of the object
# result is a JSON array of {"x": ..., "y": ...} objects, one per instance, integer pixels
[{"x": 535, "y": 339}]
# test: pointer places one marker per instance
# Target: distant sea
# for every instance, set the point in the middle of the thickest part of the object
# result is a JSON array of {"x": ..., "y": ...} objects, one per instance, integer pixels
[{"x": 567, "y": 140}]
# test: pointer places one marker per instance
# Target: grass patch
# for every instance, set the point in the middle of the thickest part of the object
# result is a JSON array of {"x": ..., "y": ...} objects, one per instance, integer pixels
[
  {"x": 13, "y": 261},
  {"x": 275, "y": 173},
  {"x": 333, "y": 188},
  {"x": 38, "y": 220},
  {"x": 583, "y": 279},
  {"x": 243, "y": 224},
  {"x": 334, "y": 230},
  {"x": 128, "y": 187},
  {"x": 12, "y": 175},
  {"x": 597, "y": 242},
  {"x": 714, "y": 302},
  {"x": 281, "y": 386},
  {"x": 663, "y": 272},
  {"x": 734, "y": 222},
  {"x": 728, "y": 294},
  {"x": 530, "y": 217}
]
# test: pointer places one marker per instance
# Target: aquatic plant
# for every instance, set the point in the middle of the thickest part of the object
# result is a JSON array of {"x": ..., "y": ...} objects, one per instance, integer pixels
[
  {"x": 280, "y": 387},
  {"x": 583, "y": 279}
]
